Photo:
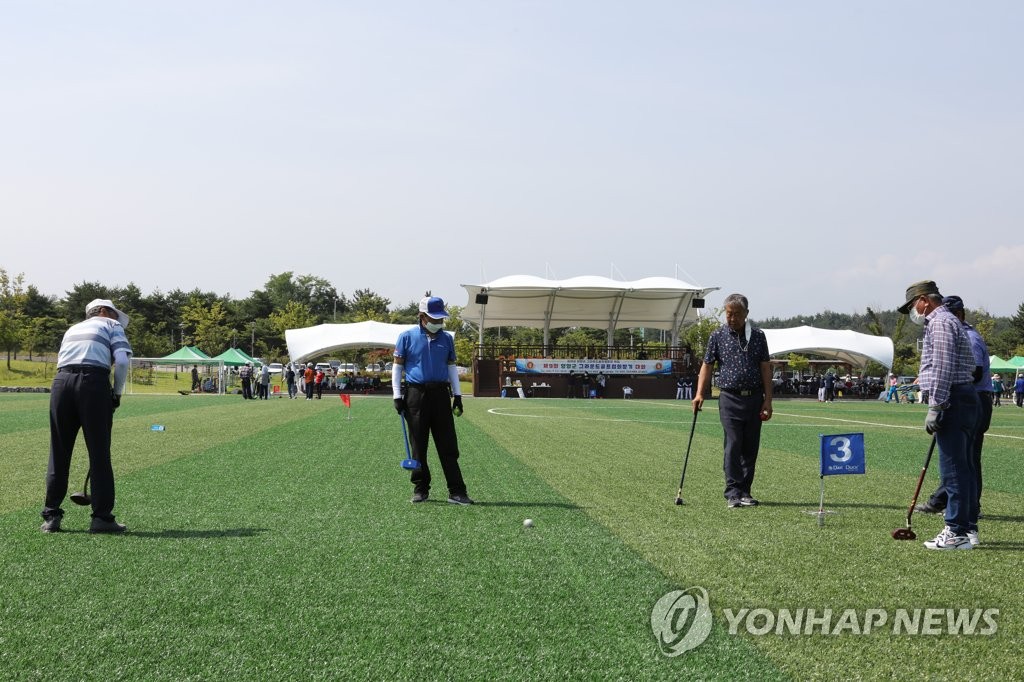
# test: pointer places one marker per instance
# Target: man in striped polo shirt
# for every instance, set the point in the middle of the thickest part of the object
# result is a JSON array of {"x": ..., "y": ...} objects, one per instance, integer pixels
[{"x": 82, "y": 398}]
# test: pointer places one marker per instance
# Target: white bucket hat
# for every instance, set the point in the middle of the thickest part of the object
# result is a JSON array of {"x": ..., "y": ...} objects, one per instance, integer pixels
[{"x": 106, "y": 303}]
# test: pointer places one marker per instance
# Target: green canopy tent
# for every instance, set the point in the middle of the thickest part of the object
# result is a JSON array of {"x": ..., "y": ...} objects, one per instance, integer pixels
[
  {"x": 999, "y": 366},
  {"x": 1017, "y": 362},
  {"x": 234, "y": 357},
  {"x": 186, "y": 354}
]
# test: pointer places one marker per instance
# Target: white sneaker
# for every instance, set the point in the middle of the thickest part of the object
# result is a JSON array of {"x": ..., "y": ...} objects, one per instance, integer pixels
[
  {"x": 948, "y": 540},
  {"x": 972, "y": 535}
]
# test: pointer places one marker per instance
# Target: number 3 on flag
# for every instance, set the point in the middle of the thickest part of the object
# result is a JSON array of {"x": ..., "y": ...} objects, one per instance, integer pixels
[{"x": 842, "y": 454}]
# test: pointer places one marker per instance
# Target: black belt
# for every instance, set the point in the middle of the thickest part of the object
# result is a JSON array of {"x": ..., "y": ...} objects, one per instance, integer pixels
[
  {"x": 743, "y": 392},
  {"x": 431, "y": 385},
  {"x": 84, "y": 369}
]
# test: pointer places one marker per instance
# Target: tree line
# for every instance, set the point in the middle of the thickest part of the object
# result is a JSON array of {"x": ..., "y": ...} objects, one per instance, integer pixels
[{"x": 32, "y": 323}]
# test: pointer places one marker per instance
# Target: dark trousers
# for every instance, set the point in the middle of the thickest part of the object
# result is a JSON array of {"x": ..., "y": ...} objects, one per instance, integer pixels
[
  {"x": 309, "y": 390},
  {"x": 264, "y": 391},
  {"x": 80, "y": 401},
  {"x": 940, "y": 498},
  {"x": 246, "y": 389},
  {"x": 319, "y": 390},
  {"x": 741, "y": 421},
  {"x": 430, "y": 413}
]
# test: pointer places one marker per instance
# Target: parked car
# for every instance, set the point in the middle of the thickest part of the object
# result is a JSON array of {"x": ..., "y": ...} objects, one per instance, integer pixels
[
  {"x": 325, "y": 366},
  {"x": 276, "y": 367}
]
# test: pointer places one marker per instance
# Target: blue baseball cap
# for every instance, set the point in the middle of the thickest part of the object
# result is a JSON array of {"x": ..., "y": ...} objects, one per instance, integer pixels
[
  {"x": 433, "y": 307},
  {"x": 953, "y": 303}
]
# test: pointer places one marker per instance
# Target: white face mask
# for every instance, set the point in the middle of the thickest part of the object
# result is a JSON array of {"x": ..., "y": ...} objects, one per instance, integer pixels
[
  {"x": 916, "y": 317},
  {"x": 434, "y": 327}
]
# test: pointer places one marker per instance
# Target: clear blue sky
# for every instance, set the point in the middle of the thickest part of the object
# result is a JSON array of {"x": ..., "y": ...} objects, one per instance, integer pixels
[{"x": 812, "y": 155}]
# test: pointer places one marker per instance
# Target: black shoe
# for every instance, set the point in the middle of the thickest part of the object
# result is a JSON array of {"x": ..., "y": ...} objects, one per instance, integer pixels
[
  {"x": 928, "y": 508},
  {"x": 99, "y": 525},
  {"x": 418, "y": 496},
  {"x": 51, "y": 525},
  {"x": 460, "y": 499},
  {"x": 748, "y": 501}
]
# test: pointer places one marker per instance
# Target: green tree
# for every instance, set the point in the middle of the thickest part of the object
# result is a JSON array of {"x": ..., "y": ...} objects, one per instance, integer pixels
[
  {"x": 323, "y": 299},
  {"x": 697, "y": 334},
  {"x": 986, "y": 327},
  {"x": 407, "y": 314},
  {"x": 12, "y": 312},
  {"x": 41, "y": 334},
  {"x": 294, "y": 315},
  {"x": 207, "y": 324},
  {"x": 73, "y": 305},
  {"x": 798, "y": 363},
  {"x": 38, "y": 304},
  {"x": 1017, "y": 326},
  {"x": 282, "y": 289},
  {"x": 368, "y": 305},
  {"x": 905, "y": 354}
]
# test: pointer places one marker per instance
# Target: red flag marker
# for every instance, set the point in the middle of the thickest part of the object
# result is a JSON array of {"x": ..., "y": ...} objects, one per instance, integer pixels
[{"x": 345, "y": 399}]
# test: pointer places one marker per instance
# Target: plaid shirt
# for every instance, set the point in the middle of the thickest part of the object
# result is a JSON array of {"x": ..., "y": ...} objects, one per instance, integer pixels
[{"x": 946, "y": 357}]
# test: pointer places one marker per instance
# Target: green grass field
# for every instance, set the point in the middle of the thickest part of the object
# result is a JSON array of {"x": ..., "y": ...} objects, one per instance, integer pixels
[{"x": 275, "y": 540}]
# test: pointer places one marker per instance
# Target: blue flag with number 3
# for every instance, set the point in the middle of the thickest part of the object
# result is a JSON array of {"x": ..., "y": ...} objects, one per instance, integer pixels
[{"x": 842, "y": 454}]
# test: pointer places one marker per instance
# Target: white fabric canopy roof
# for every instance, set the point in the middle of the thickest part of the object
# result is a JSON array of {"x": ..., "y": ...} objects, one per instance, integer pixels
[
  {"x": 843, "y": 345},
  {"x": 311, "y": 342},
  {"x": 596, "y": 302}
]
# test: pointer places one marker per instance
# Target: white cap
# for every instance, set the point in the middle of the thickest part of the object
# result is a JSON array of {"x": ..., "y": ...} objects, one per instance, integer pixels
[{"x": 105, "y": 303}]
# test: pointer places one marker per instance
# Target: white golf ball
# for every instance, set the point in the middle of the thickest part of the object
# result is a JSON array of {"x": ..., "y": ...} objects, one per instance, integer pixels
[{"x": 528, "y": 523}]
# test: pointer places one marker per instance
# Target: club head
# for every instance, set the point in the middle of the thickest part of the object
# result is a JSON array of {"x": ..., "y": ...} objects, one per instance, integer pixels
[
  {"x": 410, "y": 464},
  {"x": 81, "y": 499},
  {"x": 904, "y": 534},
  {"x": 679, "y": 501}
]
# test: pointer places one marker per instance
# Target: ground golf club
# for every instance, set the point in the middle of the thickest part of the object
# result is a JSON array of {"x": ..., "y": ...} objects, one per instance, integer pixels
[
  {"x": 408, "y": 462},
  {"x": 83, "y": 498},
  {"x": 907, "y": 533},
  {"x": 686, "y": 460}
]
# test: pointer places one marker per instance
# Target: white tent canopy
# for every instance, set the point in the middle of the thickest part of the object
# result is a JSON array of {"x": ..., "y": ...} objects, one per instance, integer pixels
[
  {"x": 311, "y": 342},
  {"x": 596, "y": 302},
  {"x": 843, "y": 345}
]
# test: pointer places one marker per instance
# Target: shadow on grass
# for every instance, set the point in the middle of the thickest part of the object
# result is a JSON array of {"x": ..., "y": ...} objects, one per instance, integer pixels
[
  {"x": 1000, "y": 517},
  {"x": 512, "y": 503},
  {"x": 1002, "y": 546},
  {"x": 198, "y": 534},
  {"x": 831, "y": 505}
]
